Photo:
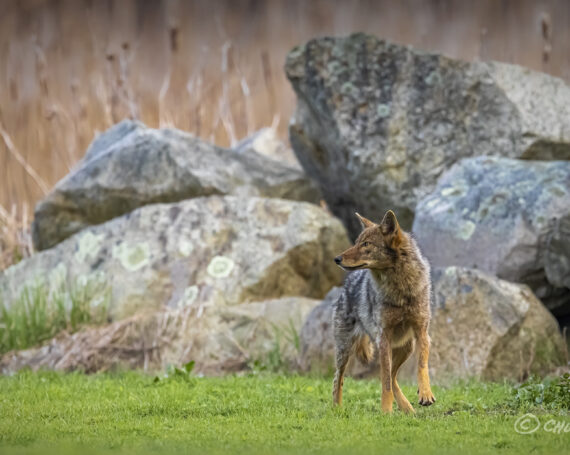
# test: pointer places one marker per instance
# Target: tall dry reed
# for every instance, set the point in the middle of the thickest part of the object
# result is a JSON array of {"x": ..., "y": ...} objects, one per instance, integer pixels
[{"x": 72, "y": 68}]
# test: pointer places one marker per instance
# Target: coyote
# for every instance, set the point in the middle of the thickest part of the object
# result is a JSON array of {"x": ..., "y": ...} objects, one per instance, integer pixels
[{"x": 385, "y": 304}]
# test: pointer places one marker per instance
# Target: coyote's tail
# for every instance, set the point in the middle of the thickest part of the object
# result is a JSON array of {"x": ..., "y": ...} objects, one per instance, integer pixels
[{"x": 364, "y": 349}]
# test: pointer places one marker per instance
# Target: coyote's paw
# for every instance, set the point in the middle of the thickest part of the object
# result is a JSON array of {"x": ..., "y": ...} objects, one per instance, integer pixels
[
  {"x": 426, "y": 398},
  {"x": 407, "y": 408}
]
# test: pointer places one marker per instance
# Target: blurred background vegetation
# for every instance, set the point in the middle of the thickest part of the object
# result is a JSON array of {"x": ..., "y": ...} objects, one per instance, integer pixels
[{"x": 72, "y": 68}]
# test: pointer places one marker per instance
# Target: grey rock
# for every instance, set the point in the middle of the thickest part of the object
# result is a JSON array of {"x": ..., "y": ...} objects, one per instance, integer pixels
[
  {"x": 130, "y": 166},
  {"x": 203, "y": 252},
  {"x": 508, "y": 217},
  {"x": 481, "y": 327},
  {"x": 377, "y": 123}
]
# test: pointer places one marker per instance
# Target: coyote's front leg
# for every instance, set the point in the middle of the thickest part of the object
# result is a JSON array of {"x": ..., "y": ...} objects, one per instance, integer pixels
[
  {"x": 426, "y": 397},
  {"x": 386, "y": 372}
]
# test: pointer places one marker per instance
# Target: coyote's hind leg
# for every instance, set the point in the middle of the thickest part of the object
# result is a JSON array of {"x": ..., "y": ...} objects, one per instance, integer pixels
[{"x": 342, "y": 356}]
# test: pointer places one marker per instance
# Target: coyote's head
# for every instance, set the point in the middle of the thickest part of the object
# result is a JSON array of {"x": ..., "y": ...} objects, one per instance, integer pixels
[{"x": 377, "y": 247}]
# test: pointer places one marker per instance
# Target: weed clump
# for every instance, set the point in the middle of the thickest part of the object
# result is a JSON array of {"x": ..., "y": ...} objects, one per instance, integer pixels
[
  {"x": 38, "y": 315},
  {"x": 549, "y": 393}
]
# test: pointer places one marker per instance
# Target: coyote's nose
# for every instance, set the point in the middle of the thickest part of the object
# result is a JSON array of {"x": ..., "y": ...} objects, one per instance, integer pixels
[{"x": 338, "y": 259}]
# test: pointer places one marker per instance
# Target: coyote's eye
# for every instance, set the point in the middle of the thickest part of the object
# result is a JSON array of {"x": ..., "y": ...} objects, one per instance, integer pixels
[{"x": 365, "y": 244}]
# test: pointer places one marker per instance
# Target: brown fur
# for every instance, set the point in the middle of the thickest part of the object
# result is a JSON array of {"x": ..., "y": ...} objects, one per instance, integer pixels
[
  {"x": 364, "y": 350},
  {"x": 401, "y": 276}
]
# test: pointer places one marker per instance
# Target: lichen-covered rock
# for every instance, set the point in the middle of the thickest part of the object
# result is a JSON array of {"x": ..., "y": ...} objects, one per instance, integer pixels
[
  {"x": 218, "y": 339},
  {"x": 481, "y": 327},
  {"x": 377, "y": 123},
  {"x": 508, "y": 217},
  {"x": 202, "y": 252},
  {"x": 130, "y": 166}
]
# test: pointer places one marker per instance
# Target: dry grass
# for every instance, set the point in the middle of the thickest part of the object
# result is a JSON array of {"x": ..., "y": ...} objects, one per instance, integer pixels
[
  {"x": 72, "y": 68},
  {"x": 15, "y": 238}
]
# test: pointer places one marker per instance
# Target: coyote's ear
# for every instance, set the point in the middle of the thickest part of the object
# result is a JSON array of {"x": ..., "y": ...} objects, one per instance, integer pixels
[
  {"x": 391, "y": 229},
  {"x": 364, "y": 222}
]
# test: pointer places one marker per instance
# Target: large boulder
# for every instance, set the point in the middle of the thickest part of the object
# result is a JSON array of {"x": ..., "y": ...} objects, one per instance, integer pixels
[
  {"x": 490, "y": 328},
  {"x": 508, "y": 217},
  {"x": 208, "y": 251},
  {"x": 130, "y": 166},
  {"x": 481, "y": 327},
  {"x": 377, "y": 123},
  {"x": 218, "y": 339}
]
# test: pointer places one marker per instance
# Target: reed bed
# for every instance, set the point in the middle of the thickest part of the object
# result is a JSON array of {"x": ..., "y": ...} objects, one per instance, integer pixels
[{"x": 71, "y": 68}]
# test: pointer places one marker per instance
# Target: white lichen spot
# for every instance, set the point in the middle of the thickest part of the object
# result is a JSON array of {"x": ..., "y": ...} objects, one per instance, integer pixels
[
  {"x": 458, "y": 189},
  {"x": 433, "y": 78},
  {"x": 190, "y": 294},
  {"x": 88, "y": 246},
  {"x": 383, "y": 110},
  {"x": 432, "y": 203},
  {"x": 333, "y": 67},
  {"x": 465, "y": 230},
  {"x": 347, "y": 88},
  {"x": 220, "y": 267},
  {"x": 132, "y": 258},
  {"x": 185, "y": 248},
  {"x": 451, "y": 271}
]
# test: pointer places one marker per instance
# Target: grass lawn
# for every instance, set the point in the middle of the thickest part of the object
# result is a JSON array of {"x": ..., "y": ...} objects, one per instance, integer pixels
[{"x": 265, "y": 413}]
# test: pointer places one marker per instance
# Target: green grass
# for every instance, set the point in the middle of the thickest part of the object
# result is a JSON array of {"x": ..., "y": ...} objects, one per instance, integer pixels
[
  {"x": 259, "y": 414},
  {"x": 38, "y": 315}
]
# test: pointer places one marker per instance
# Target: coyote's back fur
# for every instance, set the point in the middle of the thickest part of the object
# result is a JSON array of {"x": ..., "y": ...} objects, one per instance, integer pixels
[{"x": 385, "y": 304}]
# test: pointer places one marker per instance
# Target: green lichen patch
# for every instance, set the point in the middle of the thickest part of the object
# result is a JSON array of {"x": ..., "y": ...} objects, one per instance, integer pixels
[
  {"x": 347, "y": 88},
  {"x": 383, "y": 110},
  {"x": 88, "y": 246},
  {"x": 189, "y": 296},
  {"x": 132, "y": 258},
  {"x": 432, "y": 203},
  {"x": 433, "y": 78},
  {"x": 220, "y": 267},
  {"x": 457, "y": 189},
  {"x": 333, "y": 67},
  {"x": 465, "y": 230}
]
